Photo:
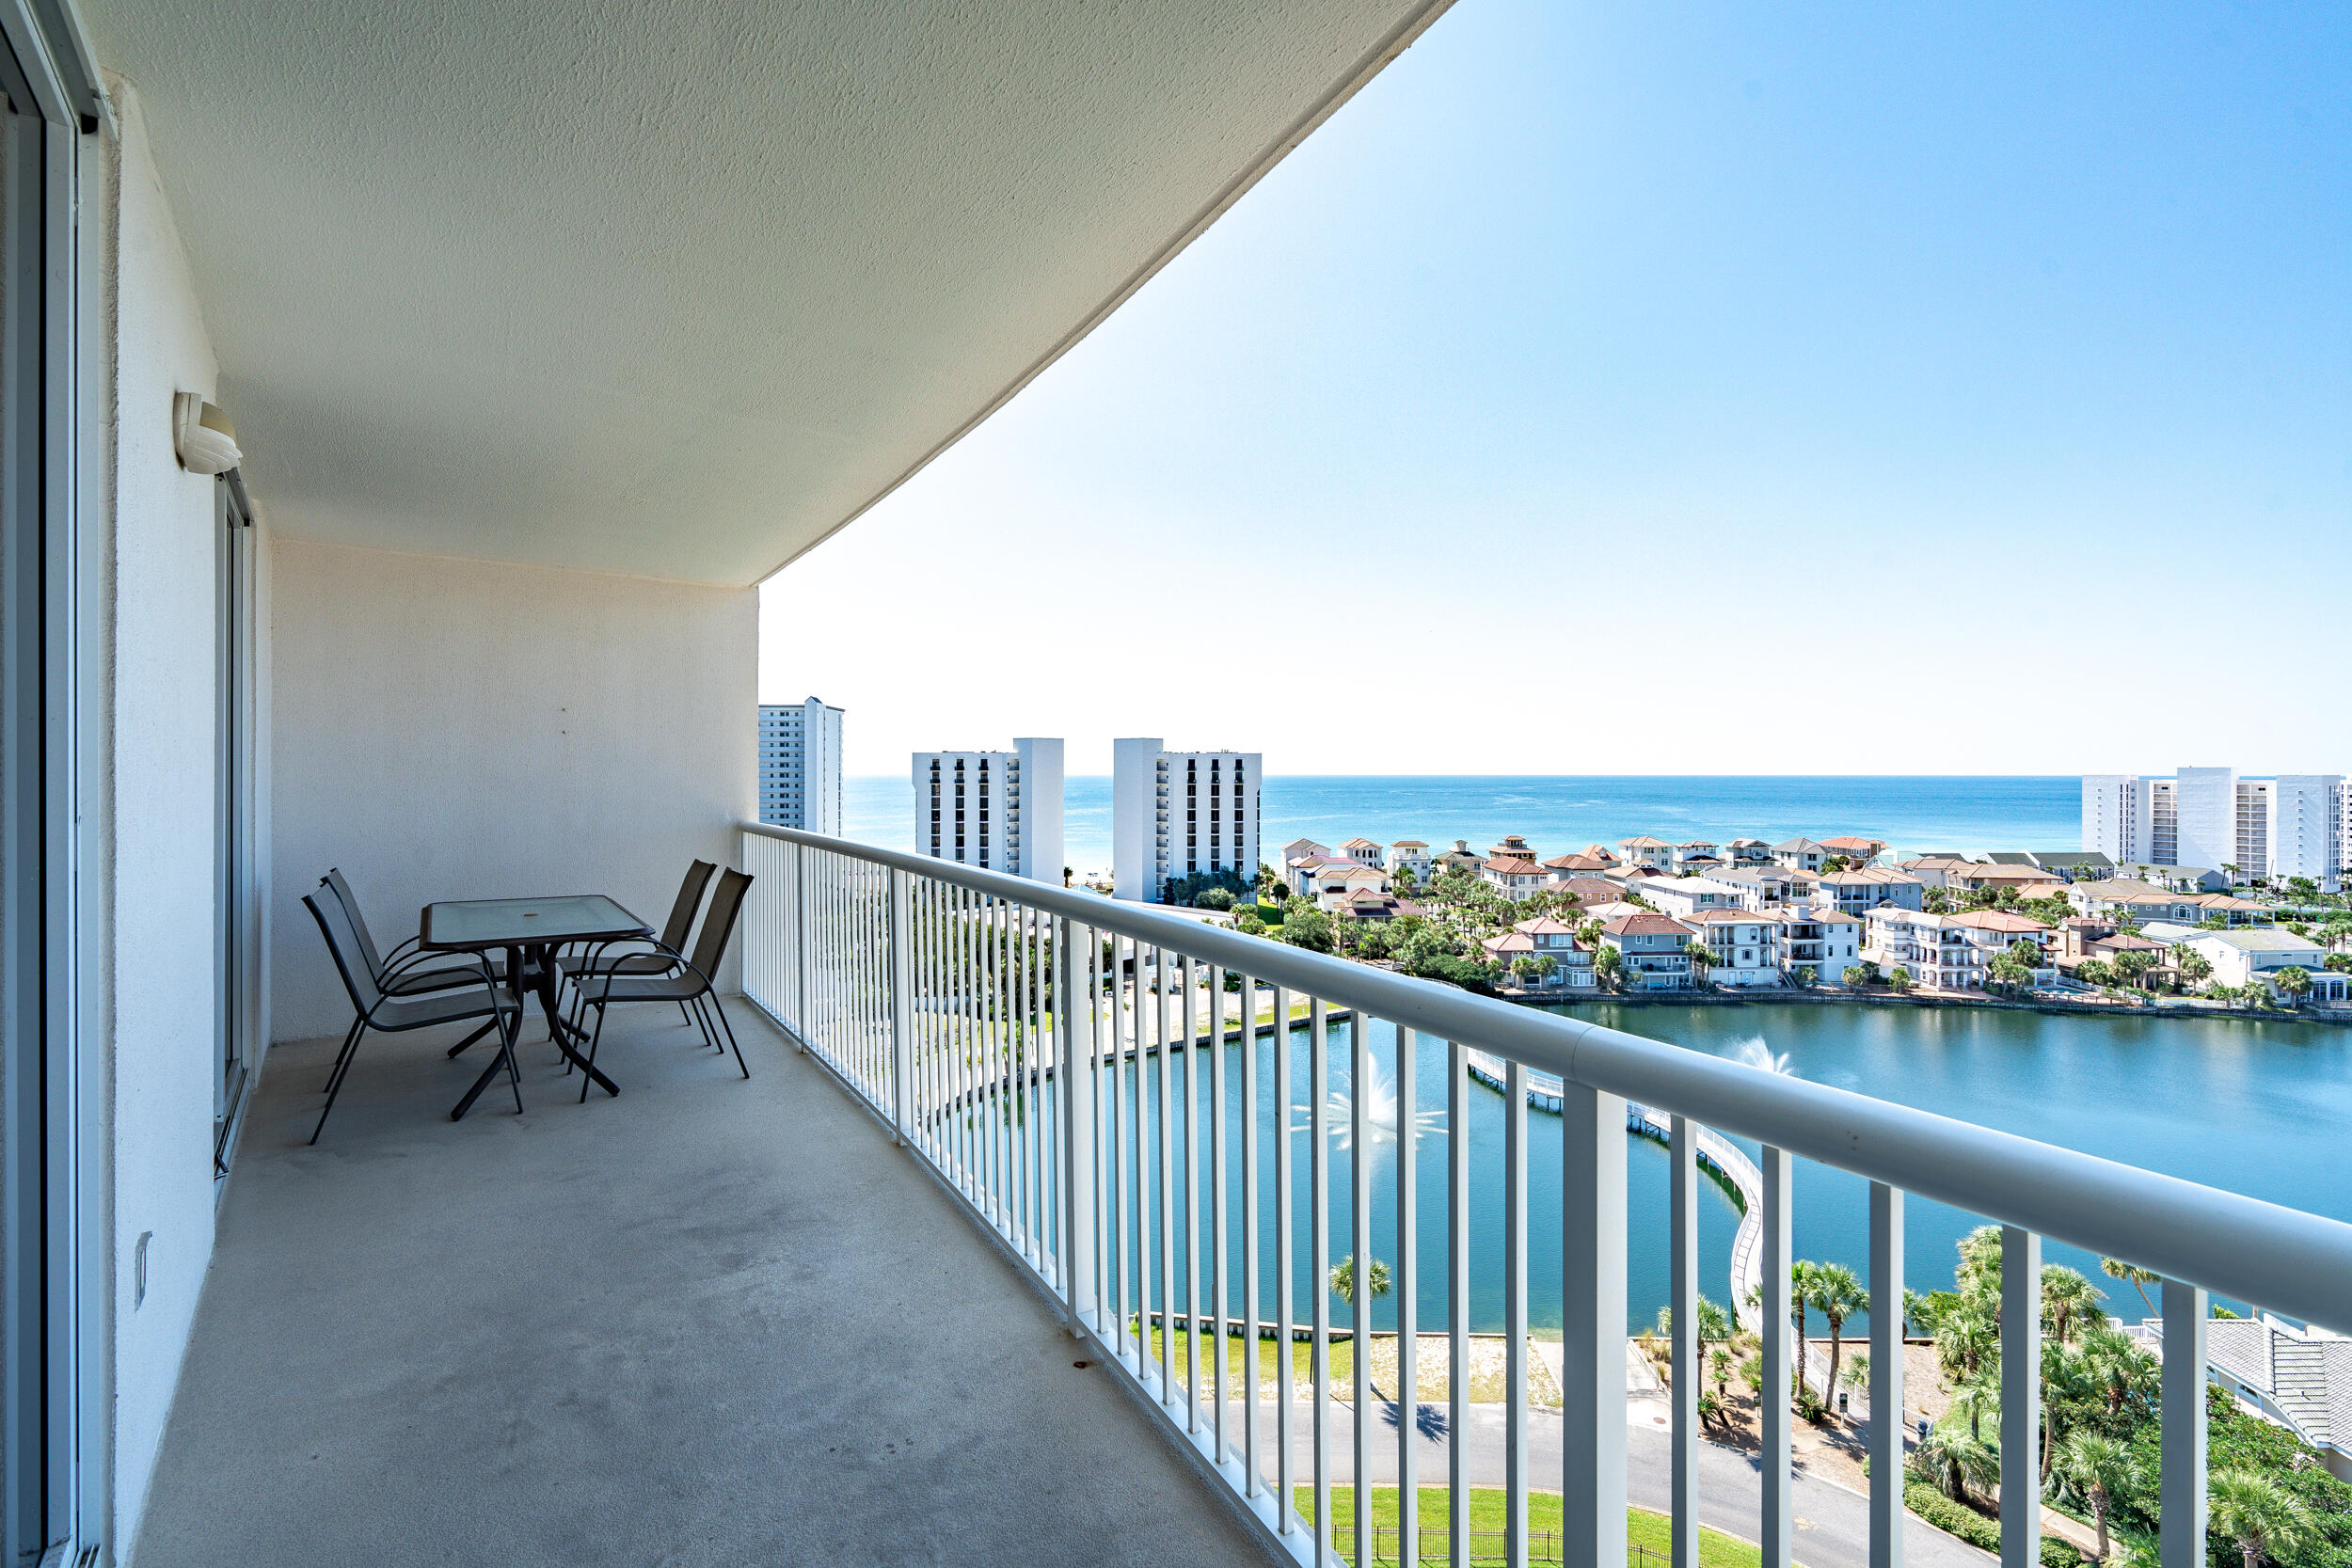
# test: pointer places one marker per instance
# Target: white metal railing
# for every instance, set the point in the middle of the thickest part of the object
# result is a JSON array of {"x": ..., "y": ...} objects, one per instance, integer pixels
[{"x": 1042, "y": 1050}]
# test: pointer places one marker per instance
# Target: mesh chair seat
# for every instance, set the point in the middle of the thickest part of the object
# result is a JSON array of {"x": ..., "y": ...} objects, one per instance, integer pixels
[
  {"x": 601, "y": 988},
  {"x": 448, "y": 1005}
]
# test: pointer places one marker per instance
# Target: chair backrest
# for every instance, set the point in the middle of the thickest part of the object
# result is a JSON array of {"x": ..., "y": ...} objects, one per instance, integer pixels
[
  {"x": 690, "y": 898},
  {"x": 343, "y": 945},
  {"x": 719, "y": 922},
  {"x": 334, "y": 882}
]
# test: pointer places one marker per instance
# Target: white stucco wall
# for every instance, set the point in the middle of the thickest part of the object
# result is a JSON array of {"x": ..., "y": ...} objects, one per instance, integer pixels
[
  {"x": 156, "y": 836},
  {"x": 447, "y": 728}
]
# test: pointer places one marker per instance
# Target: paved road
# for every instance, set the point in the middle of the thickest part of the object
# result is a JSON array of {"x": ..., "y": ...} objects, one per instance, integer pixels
[{"x": 1833, "y": 1524}]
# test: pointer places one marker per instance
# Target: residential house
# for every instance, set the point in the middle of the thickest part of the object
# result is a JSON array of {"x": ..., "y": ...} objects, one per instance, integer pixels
[
  {"x": 2243, "y": 957},
  {"x": 1299, "y": 848},
  {"x": 1563, "y": 867},
  {"x": 1372, "y": 904},
  {"x": 1363, "y": 851},
  {"x": 1544, "y": 936},
  {"x": 1819, "y": 936},
  {"x": 1747, "y": 852},
  {"x": 2142, "y": 902},
  {"x": 2080, "y": 940},
  {"x": 1337, "y": 880},
  {"x": 1512, "y": 847},
  {"x": 2180, "y": 878},
  {"x": 1697, "y": 849},
  {"x": 1459, "y": 858},
  {"x": 1589, "y": 891},
  {"x": 1761, "y": 887},
  {"x": 2075, "y": 866},
  {"x": 1746, "y": 945},
  {"x": 1633, "y": 874},
  {"x": 1868, "y": 888},
  {"x": 1933, "y": 870},
  {"x": 1412, "y": 854},
  {"x": 1653, "y": 951},
  {"x": 1947, "y": 952},
  {"x": 1601, "y": 852},
  {"x": 1682, "y": 896},
  {"x": 1800, "y": 854},
  {"x": 1641, "y": 849},
  {"x": 2300, "y": 1378},
  {"x": 1300, "y": 871},
  {"x": 1854, "y": 851},
  {"x": 2028, "y": 881},
  {"x": 1516, "y": 877}
]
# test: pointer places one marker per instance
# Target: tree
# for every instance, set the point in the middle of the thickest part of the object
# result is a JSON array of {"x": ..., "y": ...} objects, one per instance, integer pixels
[
  {"x": 2132, "y": 1275},
  {"x": 2261, "y": 1517},
  {"x": 1401, "y": 877},
  {"x": 1838, "y": 1293},
  {"x": 1808, "y": 977},
  {"x": 1344, "y": 1278},
  {"x": 1954, "y": 1460},
  {"x": 1703, "y": 958},
  {"x": 2068, "y": 1301},
  {"x": 1308, "y": 927},
  {"x": 1609, "y": 966},
  {"x": 1713, "y": 1327},
  {"x": 2098, "y": 1467},
  {"x": 2232, "y": 869},
  {"x": 2194, "y": 966},
  {"x": 1899, "y": 978},
  {"x": 2294, "y": 981},
  {"x": 1853, "y": 975}
]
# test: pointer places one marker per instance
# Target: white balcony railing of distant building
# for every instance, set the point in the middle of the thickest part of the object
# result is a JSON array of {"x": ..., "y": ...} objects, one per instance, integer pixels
[{"x": 1020, "y": 1038}]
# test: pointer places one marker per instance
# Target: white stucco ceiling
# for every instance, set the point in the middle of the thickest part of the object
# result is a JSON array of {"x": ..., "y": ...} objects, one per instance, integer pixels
[{"x": 680, "y": 288}]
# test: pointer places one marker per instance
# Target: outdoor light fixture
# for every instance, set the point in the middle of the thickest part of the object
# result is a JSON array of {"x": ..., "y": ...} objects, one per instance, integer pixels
[{"x": 202, "y": 435}]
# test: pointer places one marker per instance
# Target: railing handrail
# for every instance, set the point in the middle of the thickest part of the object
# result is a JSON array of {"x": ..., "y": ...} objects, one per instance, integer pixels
[{"x": 2279, "y": 1257}]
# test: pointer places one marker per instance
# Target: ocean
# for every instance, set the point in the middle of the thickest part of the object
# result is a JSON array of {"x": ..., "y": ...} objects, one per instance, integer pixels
[{"x": 1915, "y": 815}]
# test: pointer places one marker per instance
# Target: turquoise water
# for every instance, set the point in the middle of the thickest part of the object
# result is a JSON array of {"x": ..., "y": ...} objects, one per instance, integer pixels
[
  {"x": 2255, "y": 1107},
  {"x": 1558, "y": 815}
]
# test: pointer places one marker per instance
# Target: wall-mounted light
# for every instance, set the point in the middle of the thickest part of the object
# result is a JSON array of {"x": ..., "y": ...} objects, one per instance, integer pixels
[{"x": 202, "y": 435}]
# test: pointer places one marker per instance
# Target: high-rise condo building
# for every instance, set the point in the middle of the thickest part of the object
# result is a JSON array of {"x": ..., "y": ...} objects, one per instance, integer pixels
[
  {"x": 997, "y": 810},
  {"x": 1177, "y": 813},
  {"x": 2294, "y": 825},
  {"x": 799, "y": 766}
]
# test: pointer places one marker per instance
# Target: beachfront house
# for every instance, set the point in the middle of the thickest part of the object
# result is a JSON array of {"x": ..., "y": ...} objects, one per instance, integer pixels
[
  {"x": 1761, "y": 887},
  {"x": 2141, "y": 902},
  {"x": 1641, "y": 849},
  {"x": 1338, "y": 880},
  {"x": 1933, "y": 870},
  {"x": 2026, "y": 881},
  {"x": 2251, "y": 955},
  {"x": 1948, "y": 952},
  {"x": 1653, "y": 950},
  {"x": 1693, "y": 856},
  {"x": 1799, "y": 854},
  {"x": 1409, "y": 854},
  {"x": 1514, "y": 847},
  {"x": 1821, "y": 938},
  {"x": 1855, "y": 892},
  {"x": 1515, "y": 877},
  {"x": 1682, "y": 896},
  {"x": 1745, "y": 852},
  {"x": 1746, "y": 945},
  {"x": 1853, "y": 850},
  {"x": 1459, "y": 858},
  {"x": 1566, "y": 867},
  {"x": 1546, "y": 938},
  {"x": 1363, "y": 851}
]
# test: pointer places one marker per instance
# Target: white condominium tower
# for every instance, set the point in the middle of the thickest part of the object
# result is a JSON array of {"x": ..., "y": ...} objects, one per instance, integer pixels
[
  {"x": 997, "y": 810},
  {"x": 799, "y": 766},
  {"x": 1177, "y": 813},
  {"x": 2294, "y": 825}
]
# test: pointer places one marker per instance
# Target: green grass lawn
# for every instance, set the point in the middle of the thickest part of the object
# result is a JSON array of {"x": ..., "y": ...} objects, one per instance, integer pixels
[
  {"x": 1647, "y": 1535},
  {"x": 1269, "y": 1364}
]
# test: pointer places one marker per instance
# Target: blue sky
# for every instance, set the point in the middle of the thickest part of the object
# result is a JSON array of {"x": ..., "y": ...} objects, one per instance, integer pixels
[{"x": 1660, "y": 389}]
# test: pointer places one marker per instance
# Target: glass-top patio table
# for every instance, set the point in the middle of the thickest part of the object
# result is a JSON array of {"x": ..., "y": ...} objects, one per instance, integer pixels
[{"x": 533, "y": 928}]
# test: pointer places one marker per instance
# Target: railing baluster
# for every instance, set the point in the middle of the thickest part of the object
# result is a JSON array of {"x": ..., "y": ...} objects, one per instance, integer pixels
[
  {"x": 2021, "y": 1398},
  {"x": 1359, "y": 1253},
  {"x": 1515, "y": 1312},
  {"x": 1285, "y": 1261},
  {"x": 1777, "y": 1330},
  {"x": 1682, "y": 1240},
  {"x": 2181, "y": 1461},
  {"x": 1192, "y": 1199},
  {"x": 1457, "y": 1303},
  {"x": 1118, "y": 1002},
  {"x": 1251, "y": 1293},
  {"x": 1016, "y": 1089},
  {"x": 1076, "y": 1229},
  {"x": 1319, "y": 1256},
  {"x": 1220, "y": 1245},
  {"x": 901, "y": 1006},
  {"x": 1886, "y": 1376},
  {"x": 1407, "y": 1317},
  {"x": 1166, "y": 1047}
]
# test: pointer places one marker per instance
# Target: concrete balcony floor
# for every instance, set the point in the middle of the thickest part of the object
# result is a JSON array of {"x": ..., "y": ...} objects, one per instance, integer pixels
[{"x": 707, "y": 1321}]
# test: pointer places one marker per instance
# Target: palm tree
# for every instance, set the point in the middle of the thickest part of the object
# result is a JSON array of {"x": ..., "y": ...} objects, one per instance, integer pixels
[
  {"x": 1967, "y": 1337},
  {"x": 2263, "y": 1517},
  {"x": 1978, "y": 1402},
  {"x": 2068, "y": 1301},
  {"x": 2295, "y": 980},
  {"x": 2132, "y": 1273},
  {"x": 1955, "y": 1459},
  {"x": 2098, "y": 1467},
  {"x": 1838, "y": 1293},
  {"x": 1344, "y": 1278}
]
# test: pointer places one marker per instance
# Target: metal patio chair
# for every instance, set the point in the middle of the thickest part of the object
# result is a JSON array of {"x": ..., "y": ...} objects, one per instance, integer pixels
[
  {"x": 666, "y": 949},
  {"x": 391, "y": 1013},
  {"x": 689, "y": 983},
  {"x": 418, "y": 980}
]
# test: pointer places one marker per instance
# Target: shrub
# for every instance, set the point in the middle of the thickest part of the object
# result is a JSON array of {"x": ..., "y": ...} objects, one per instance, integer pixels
[
  {"x": 1214, "y": 898},
  {"x": 1975, "y": 1529}
]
